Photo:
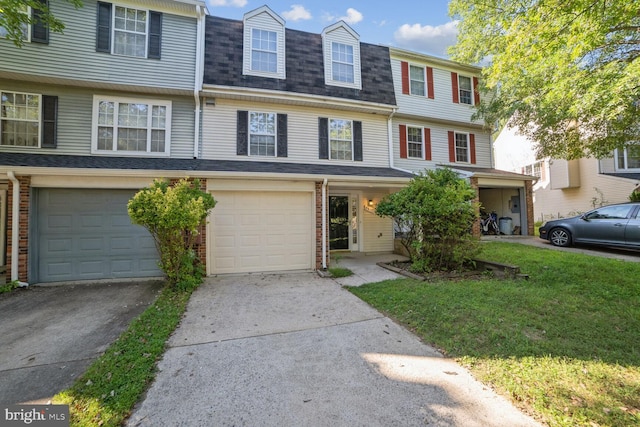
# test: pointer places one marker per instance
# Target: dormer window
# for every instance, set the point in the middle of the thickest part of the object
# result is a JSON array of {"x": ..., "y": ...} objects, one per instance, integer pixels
[
  {"x": 264, "y": 44},
  {"x": 264, "y": 51},
  {"x": 342, "y": 62},
  {"x": 341, "y": 47}
]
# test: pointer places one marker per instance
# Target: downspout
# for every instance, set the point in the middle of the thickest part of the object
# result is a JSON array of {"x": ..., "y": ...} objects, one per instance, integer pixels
[
  {"x": 390, "y": 143},
  {"x": 197, "y": 83},
  {"x": 324, "y": 224},
  {"x": 15, "y": 228}
]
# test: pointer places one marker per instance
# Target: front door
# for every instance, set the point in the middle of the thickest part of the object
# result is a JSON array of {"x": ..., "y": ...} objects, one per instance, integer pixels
[{"x": 338, "y": 222}]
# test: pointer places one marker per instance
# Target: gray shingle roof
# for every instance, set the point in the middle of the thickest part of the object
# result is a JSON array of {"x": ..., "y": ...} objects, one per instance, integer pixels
[
  {"x": 304, "y": 65},
  {"x": 191, "y": 165}
]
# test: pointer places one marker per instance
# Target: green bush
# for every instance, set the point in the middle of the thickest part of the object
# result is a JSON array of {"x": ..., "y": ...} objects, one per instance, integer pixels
[
  {"x": 173, "y": 215},
  {"x": 635, "y": 195},
  {"x": 436, "y": 212}
]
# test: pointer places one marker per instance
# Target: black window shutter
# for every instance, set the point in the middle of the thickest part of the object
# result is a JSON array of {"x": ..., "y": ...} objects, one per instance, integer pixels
[
  {"x": 357, "y": 141},
  {"x": 39, "y": 29},
  {"x": 49, "y": 121},
  {"x": 103, "y": 24},
  {"x": 242, "y": 145},
  {"x": 323, "y": 138},
  {"x": 155, "y": 35},
  {"x": 282, "y": 135}
]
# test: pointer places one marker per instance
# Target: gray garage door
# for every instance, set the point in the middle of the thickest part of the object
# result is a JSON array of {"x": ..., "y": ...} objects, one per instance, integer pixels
[{"x": 87, "y": 235}]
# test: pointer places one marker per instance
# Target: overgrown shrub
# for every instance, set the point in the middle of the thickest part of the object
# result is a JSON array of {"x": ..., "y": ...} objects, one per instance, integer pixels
[
  {"x": 173, "y": 214},
  {"x": 436, "y": 212},
  {"x": 635, "y": 195}
]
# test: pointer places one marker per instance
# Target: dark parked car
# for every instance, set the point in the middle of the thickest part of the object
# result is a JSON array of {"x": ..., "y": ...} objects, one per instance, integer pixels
[{"x": 613, "y": 225}]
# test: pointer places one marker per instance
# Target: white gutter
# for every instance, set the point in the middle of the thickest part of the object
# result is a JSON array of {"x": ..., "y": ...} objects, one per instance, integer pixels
[
  {"x": 197, "y": 84},
  {"x": 324, "y": 224},
  {"x": 15, "y": 228},
  {"x": 390, "y": 143}
]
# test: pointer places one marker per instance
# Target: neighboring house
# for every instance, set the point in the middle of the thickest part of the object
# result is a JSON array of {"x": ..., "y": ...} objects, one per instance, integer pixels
[
  {"x": 566, "y": 188},
  {"x": 302, "y": 121},
  {"x": 432, "y": 128},
  {"x": 87, "y": 118}
]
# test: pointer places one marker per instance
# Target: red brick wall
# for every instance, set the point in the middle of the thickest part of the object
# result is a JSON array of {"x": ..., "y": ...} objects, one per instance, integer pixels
[
  {"x": 23, "y": 239},
  {"x": 319, "y": 226},
  {"x": 528, "y": 191},
  {"x": 475, "y": 229}
]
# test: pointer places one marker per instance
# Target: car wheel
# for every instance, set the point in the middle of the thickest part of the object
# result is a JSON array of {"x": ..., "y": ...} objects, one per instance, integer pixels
[{"x": 560, "y": 237}]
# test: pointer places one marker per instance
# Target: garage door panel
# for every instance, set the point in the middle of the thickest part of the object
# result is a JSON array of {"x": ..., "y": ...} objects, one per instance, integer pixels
[
  {"x": 87, "y": 234},
  {"x": 254, "y": 231}
]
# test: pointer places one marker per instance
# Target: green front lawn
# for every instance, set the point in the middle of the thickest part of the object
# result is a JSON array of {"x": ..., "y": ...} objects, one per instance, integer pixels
[{"x": 563, "y": 345}]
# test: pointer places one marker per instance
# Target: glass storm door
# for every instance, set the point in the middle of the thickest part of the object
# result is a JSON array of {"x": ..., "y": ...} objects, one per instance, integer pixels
[{"x": 339, "y": 222}]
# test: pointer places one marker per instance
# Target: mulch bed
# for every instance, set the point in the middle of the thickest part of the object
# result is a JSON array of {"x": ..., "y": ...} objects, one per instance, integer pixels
[{"x": 483, "y": 270}]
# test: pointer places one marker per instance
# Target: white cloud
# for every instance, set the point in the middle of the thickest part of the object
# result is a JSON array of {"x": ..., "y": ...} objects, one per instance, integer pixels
[
  {"x": 234, "y": 3},
  {"x": 297, "y": 13},
  {"x": 428, "y": 39},
  {"x": 352, "y": 16}
]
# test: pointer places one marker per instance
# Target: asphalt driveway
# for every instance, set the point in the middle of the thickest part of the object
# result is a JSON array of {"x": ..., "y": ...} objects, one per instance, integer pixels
[
  {"x": 299, "y": 350},
  {"x": 50, "y": 334}
]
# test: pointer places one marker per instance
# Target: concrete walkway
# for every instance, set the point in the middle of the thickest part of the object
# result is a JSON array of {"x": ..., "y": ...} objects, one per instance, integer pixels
[{"x": 300, "y": 350}]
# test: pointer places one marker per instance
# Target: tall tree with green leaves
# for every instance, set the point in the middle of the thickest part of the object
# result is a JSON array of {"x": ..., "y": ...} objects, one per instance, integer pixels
[
  {"x": 566, "y": 73},
  {"x": 17, "y": 15}
]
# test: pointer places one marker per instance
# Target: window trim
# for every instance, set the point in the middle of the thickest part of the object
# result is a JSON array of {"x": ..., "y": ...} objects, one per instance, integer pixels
[
  {"x": 275, "y": 134},
  {"x": 422, "y": 144},
  {"x": 124, "y": 100},
  {"x": 424, "y": 81},
  {"x": 625, "y": 158},
  {"x": 113, "y": 31},
  {"x": 29, "y": 12},
  {"x": 330, "y": 119},
  {"x": 352, "y": 64},
  {"x": 40, "y": 123},
  {"x": 468, "y": 148},
  {"x": 471, "y": 97},
  {"x": 252, "y": 50}
]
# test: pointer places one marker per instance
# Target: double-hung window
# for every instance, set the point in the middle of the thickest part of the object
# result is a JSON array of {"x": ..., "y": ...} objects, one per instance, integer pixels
[
  {"x": 342, "y": 62},
  {"x": 25, "y": 29},
  {"x": 264, "y": 51},
  {"x": 262, "y": 134},
  {"x": 465, "y": 88},
  {"x": 341, "y": 139},
  {"x": 628, "y": 158},
  {"x": 417, "y": 81},
  {"x": 415, "y": 142},
  {"x": 20, "y": 119},
  {"x": 462, "y": 147},
  {"x": 134, "y": 127},
  {"x": 128, "y": 31}
]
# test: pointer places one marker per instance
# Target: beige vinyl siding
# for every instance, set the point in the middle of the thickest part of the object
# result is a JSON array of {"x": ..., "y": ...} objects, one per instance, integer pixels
[
  {"x": 439, "y": 145},
  {"x": 442, "y": 106},
  {"x": 72, "y": 55},
  {"x": 75, "y": 114},
  {"x": 550, "y": 203},
  {"x": 377, "y": 231},
  {"x": 219, "y": 133}
]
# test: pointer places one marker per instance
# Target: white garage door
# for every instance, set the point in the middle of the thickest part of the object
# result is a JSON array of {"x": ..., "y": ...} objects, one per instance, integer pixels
[{"x": 261, "y": 231}]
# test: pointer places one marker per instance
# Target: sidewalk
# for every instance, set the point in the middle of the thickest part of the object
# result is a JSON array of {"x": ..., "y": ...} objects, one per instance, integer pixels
[{"x": 300, "y": 350}]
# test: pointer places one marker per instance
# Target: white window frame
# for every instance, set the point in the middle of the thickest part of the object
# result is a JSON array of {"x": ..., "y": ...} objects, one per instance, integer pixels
[
  {"x": 114, "y": 30},
  {"x": 340, "y": 139},
  {"x": 624, "y": 157},
  {"x": 274, "y": 135},
  {"x": 467, "y": 148},
  {"x": 460, "y": 90},
  {"x": 117, "y": 100},
  {"x": 39, "y": 132},
  {"x": 424, "y": 81},
  {"x": 254, "y": 50},
  {"x": 338, "y": 61},
  {"x": 26, "y": 33},
  {"x": 422, "y": 146}
]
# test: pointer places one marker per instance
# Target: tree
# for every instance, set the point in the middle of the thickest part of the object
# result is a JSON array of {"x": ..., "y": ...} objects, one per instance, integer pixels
[
  {"x": 14, "y": 17},
  {"x": 566, "y": 73},
  {"x": 436, "y": 212},
  {"x": 173, "y": 214}
]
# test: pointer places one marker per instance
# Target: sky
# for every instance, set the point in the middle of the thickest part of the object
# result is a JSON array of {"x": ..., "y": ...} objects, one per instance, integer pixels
[{"x": 417, "y": 25}]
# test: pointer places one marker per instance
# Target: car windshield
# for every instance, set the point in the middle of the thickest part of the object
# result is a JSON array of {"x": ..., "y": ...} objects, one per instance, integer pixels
[{"x": 610, "y": 212}]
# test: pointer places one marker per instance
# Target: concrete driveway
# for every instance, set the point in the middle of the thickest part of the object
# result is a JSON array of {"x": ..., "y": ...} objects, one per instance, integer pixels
[
  {"x": 299, "y": 350},
  {"x": 50, "y": 334}
]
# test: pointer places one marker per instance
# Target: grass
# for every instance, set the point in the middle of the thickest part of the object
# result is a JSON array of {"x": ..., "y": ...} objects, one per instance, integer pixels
[
  {"x": 9, "y": 287},
  {"x": 564, "y": 345},
  {"x": 111, "y": 386},
  {"x": 338, "y": 272}
]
